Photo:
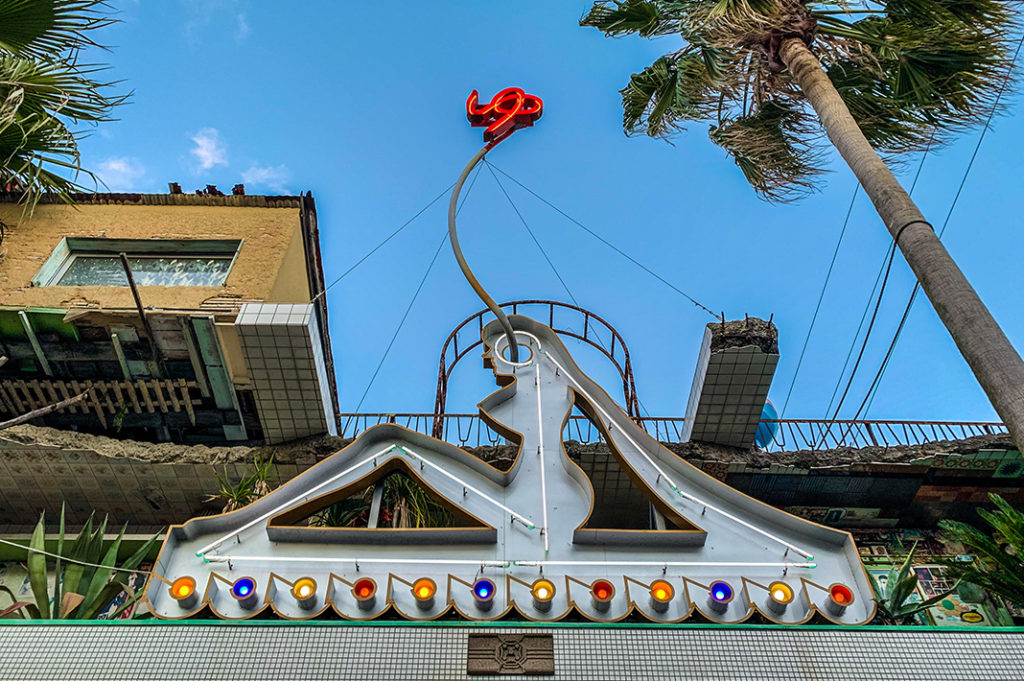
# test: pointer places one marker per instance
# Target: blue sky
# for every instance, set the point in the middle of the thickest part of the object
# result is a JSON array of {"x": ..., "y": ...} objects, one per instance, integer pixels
[{"x": 363, "y": 104}]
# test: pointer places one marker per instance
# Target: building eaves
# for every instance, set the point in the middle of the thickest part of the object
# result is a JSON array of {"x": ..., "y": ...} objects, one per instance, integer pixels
[{"x": 246, "y": 201}]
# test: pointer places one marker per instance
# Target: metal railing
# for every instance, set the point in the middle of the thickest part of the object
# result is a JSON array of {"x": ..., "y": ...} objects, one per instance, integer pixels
[{"x": 468, "y": 430}]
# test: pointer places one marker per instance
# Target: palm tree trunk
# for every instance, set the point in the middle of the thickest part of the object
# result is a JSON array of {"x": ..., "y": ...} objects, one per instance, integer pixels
[{"x": 994, "y": 361}]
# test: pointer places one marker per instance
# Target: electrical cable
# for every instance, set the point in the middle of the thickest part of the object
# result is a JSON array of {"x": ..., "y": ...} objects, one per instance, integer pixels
[
  {"x": 532, "y": 235},
  {"x": 536, "y": 241},
  {"x": 30, "y": 549},
  {"x": 412, "y": 302},
  {"x": 381, "y": 244},
  {"x": 821, "y": 297},
  {"x": 869, "y": 398},
  {"x": 890, "y": 255},
  {"x": 608, "y": 243}
]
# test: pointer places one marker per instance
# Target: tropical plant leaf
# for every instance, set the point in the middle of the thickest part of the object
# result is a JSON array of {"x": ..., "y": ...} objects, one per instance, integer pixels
[
  {"x": 628, "y": 16},
  {"x": 101, "y": 578},
  {"x": 37, "y": 576},
  {"x": 913, "y": 73},
  {"x": 73, "y": 573},
  {"x": 57, "y": 570},
  {"x": 995, "y": 569},
  {"x": 769, "y": 147},
  {"x": 38, "y": 28}
]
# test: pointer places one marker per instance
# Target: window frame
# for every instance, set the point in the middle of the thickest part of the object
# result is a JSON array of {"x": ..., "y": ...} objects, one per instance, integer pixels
[{"x": 70, "y": 248}]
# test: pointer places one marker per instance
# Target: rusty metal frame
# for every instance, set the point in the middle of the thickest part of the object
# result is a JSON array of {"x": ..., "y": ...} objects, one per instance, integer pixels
[{"x": 625, "y": 368}]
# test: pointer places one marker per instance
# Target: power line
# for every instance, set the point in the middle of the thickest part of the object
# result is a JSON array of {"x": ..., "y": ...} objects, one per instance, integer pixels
[
  {"x": 381, "y": 244},
  {"x": 608, "y": 243},
  {"x": 869, "y": 398},
  {"x": 30, "y": 549},
  {"x": 821, "y": 297},
  {"x": 532, "y": 235},
  {"x": 412, "y": 302},
  {"x": 891, "y": 253},
  {"x": 551, "y": 264}
]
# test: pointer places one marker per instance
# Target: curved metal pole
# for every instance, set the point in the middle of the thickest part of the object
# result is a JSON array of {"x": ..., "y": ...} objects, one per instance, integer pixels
[{"x": 513, "y": 347}]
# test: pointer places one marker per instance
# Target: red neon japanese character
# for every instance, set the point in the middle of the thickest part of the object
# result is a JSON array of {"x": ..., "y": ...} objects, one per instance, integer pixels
[{"x": 509, "y": 110}]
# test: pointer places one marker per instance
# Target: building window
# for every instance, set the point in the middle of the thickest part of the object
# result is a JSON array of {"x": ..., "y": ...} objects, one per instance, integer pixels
[{"x": 153, "y": 262}]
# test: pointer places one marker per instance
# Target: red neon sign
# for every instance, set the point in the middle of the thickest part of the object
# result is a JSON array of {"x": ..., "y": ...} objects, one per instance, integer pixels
[{"x": 508, "y": 111}]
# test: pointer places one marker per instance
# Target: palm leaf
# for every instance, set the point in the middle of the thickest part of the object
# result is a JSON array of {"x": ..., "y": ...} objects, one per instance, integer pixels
[
  {"x": 37, "y": 28},
  {"x": 627, "y": 16},
  {"x": 769, "y": 147}
]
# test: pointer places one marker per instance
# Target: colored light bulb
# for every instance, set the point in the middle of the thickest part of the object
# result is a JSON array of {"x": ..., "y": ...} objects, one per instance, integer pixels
[
  {"x": 543, "y": 591},
  {"x": 423, "y": 590},
  {"x": 183, "y": 590}
]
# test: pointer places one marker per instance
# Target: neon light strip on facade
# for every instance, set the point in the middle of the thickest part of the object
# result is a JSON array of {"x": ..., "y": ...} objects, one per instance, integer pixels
[
  {"x": 302, "y": 497},
  {"x": 540, "y": 454},
  {"x": 521, "y": 518},
  {"x": 675, "y": 487},
  {"x": 507, "y": 564}
]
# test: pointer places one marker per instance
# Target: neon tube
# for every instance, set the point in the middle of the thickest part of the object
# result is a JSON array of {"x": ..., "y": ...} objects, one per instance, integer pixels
[
  {"x": 499, "y": 563},
  {"x": 209, "y": 547},
  {"x": 348, "y": 559},
  {"x": 685, "y": 495},
  {"x": 543, "y": 464},
  {"x": 523, "y": 519},
  {"x": 658, "y": 563}
]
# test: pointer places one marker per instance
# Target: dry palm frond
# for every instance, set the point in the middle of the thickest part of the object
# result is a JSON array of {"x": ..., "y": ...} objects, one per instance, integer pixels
[{"x": 912, "y": 74}]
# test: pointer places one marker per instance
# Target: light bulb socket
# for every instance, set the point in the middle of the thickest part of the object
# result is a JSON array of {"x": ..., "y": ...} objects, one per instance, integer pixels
[
  {"x": 304, "y": 592},
  {"x": 662, "y": 594},
  {"x": 780, "y": 595},
  {"x": 365, "y": 593},
  {"x": 601, "y": 594},
  {"x": 720, "y": 595},
  {"x": 840, "y": 597},
  {"x": 424, "y": 590},
  {"x": 243, "y": 590},
  {"x": 542, "y": 591},
  {"x": 183, "y": 591},
  {"x": 483, "y": 593}
]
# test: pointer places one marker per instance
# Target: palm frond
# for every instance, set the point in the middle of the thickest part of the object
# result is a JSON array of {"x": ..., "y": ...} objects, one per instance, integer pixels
[
  {"x": 44, "y": 28},
  {"x": 771, "y": 150},
  {"x": 673, "y": 89},
  {"x": 615, "y": 17},
  {"x": 913, "y": 73},
  {"x": 995, "y": 569}
]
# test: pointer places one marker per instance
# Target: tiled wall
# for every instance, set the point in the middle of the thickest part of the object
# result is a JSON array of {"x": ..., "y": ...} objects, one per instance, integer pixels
[
  {"x": 273, "y": 652},
  {"x": 284, "y": 356},
  {"x": 145, "y": 495},
  {"x": 727, "y": 397}
]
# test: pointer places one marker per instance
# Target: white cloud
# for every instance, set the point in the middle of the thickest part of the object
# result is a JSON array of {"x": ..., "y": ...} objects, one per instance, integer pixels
[
  {"x": 203, "y": 15},
  {"x": 120, "y": 174},
  {"x": 273, "y": 178},
  {"x": 210, "y": 149},
  {"x": 243, "y": 27}
]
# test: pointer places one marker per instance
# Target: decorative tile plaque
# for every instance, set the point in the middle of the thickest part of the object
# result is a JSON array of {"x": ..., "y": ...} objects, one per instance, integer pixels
[{"x": 507, "y": 654}]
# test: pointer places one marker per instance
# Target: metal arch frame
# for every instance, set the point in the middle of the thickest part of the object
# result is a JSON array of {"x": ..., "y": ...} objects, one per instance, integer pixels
[{"x": 625, "y": 369}]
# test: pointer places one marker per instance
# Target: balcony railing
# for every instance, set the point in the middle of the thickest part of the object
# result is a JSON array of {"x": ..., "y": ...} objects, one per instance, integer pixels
[{"x": 468, "y": 430}]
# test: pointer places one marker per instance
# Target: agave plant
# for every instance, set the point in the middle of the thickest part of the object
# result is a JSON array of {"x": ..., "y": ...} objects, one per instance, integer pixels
[
  {"x": 246, "y": 490},
  {"x": 894, "y": 599},
  {"x": 998, "y": 569},
  {"x": 88, "y": 577},
  {"x": 46, "y": 92},
  {"x": 778, "y": 80}
]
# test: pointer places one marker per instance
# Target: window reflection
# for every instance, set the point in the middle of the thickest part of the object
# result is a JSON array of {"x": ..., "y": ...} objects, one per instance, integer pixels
[{"x": 148, "y": 271}]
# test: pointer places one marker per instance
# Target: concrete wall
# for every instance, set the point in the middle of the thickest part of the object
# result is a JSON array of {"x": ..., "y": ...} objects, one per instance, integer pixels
[{"x": 267, "y": 265}]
